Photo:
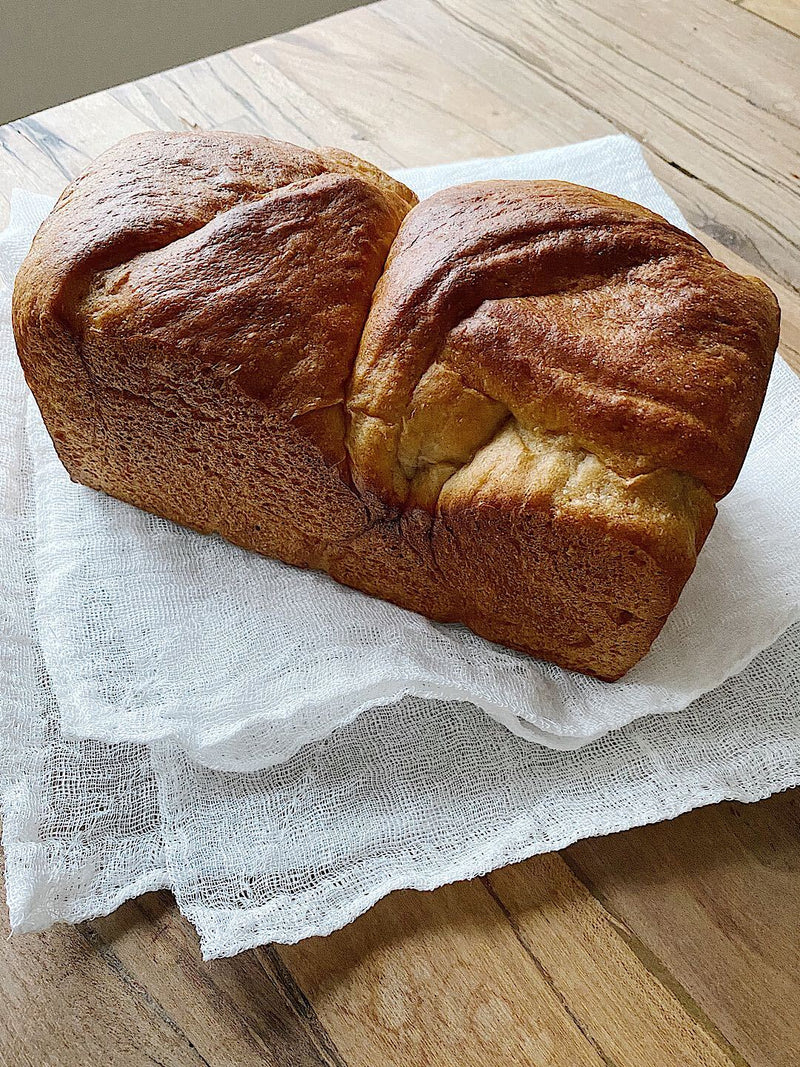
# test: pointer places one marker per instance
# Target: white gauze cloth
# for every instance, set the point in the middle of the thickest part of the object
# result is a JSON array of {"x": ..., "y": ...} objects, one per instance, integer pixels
[
  {"x": 144, "y": 668},
  {"x": 153, "y": 632}
]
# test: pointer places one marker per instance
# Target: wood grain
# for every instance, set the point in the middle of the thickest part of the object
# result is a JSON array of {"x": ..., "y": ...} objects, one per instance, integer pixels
[
  {"x": 721, "y": 913},
  {"x": 231, "y": 1011},
  {"x": 647, "y": 978},
  {"x": 590, "y": 959},
  {"x": 528, "y": 956},
  {"x": 407, "y": 981},
  {"x": 725, "y": 134},
  {"x": 623, "y": 951},
  {"x": 670, "y": 945},
  {"x": 784, "y": 13},
  {"x": 63, "y": 998}
]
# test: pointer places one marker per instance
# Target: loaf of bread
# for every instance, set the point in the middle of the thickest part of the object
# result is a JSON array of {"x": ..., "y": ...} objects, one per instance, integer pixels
[{"x": 513, "y": 405}]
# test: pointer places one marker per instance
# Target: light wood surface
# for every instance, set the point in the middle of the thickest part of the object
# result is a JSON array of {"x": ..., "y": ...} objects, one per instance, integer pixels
[
  {"x": 670, "y": 946},
  {"x": 785, "y": 13}
]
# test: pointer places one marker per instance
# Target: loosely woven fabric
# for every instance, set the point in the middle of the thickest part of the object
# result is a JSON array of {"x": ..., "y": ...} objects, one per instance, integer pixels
[{"x": 281, "y": 751}]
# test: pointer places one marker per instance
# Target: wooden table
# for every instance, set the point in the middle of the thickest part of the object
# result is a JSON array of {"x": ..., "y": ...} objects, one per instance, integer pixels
[{"x": 676, "y": 944}]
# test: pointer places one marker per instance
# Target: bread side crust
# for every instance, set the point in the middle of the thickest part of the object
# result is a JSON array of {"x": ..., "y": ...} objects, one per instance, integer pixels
[{"x": 193, "y": 350}]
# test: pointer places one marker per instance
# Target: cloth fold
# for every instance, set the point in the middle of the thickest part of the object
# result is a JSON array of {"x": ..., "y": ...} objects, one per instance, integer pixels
[{"x": 281, "y": 751}]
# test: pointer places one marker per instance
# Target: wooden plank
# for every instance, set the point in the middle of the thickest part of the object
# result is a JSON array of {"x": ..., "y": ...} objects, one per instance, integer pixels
[
  {"x": 633, "y": 1015},
  {"x": 714, "y": 897},
  {"x": 735, "y": 138},
  {"x": 438, "y": 979},
  {"x": 783, "y": 13},
  {"x": 529, "y": 114},
  {"x": 402, "y": 95},
  {"x": 369, "y": 74},
  {"x": 464, "y": 96},
  {"x": 232, "y": 1011},
  {"x": 66, "y": 1003}
]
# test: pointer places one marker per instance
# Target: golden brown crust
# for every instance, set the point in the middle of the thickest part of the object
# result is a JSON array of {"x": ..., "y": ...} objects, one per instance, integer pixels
[
  {"x": 252, "y": 253},
  {"x": 552, "y": 385},
  {"x": 576, "y": 312},
  {"x": 187, "y": 319}
]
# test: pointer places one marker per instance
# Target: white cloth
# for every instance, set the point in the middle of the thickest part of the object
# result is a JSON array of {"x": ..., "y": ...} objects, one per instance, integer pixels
[
  {"x": 145, "y": 668},
  {"x": 150, "y": 631}
]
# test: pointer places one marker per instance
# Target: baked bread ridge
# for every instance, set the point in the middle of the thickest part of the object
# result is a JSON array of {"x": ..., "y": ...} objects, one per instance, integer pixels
[
  {"x": 188, "y": 321},
  {"x": 552, "y": 368},
  {"x": 571, "y": 310}
]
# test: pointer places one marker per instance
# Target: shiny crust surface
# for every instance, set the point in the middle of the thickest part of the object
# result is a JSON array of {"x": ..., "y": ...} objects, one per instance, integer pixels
[
  {"x": 569, "y": 311},
  {"x": 519, "y": 421},
  {"x": 257, "y": 255}
]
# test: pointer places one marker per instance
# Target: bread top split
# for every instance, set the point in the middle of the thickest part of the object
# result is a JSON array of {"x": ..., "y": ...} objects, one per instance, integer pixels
[
  {"x": 257, "y": 256},
  {"x": 562, "y": 310},
  {"x": 524, "y": 340}
]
